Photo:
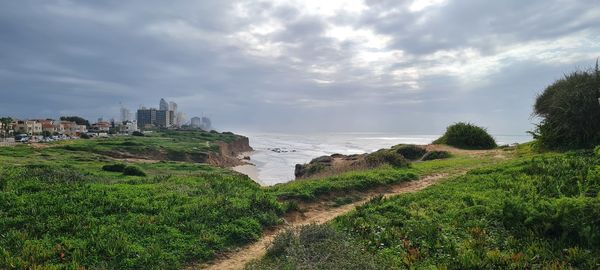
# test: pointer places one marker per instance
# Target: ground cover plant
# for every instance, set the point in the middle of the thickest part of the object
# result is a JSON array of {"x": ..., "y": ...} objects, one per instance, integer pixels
[
  {"x": 534, "y": 212},
  {"x": 57, "y": 217},
  {"x": 467, "y": 136},
  {"x": 315, "y": 247},
  {"x": 161, "y": 145}
]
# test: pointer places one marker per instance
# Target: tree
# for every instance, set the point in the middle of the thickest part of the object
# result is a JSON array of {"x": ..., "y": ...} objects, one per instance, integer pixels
[
  {"x": 6, "y": 125},
  {"x": 78, "y": 120},
  {"x": 570, "y": 112}
]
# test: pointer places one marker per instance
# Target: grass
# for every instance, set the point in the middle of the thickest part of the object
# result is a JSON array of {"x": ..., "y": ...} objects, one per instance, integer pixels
[
  {"x": 60, "y": 218},
  {"x": 537, "y": 211},
  {"x": 59, "y": 209},
  {"x": 162, "y": 145}
]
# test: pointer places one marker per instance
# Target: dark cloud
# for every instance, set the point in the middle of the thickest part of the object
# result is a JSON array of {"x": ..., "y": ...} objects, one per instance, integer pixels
[{"x": 294, "y": 65}]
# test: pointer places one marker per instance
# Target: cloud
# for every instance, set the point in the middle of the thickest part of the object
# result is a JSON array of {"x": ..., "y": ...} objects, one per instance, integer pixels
[{"x": 406, "y": 66}]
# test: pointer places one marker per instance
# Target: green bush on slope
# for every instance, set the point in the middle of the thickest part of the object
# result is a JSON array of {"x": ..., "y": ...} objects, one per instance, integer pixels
[
  {"x": 410, "y": 151},
  {"x": 315, "y": 247},
  {"x": 467, "y": 136},
  {"x": 570, "y": 111}
]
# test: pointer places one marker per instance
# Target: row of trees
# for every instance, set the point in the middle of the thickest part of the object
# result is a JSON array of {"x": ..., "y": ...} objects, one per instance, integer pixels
[{"x": 6, "y": 122}]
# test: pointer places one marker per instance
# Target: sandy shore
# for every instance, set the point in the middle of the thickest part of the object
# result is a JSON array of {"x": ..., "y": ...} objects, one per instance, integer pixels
[{"x": 249, "y": 170}]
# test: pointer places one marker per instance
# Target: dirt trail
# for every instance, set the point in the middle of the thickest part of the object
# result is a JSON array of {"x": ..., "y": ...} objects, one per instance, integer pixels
[{"x": 317, "y": 213}]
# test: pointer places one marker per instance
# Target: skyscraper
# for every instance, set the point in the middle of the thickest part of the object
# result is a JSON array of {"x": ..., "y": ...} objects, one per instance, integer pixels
[
  {"x": 125, "y": 114},
  {"x": 163, "y": 105}
]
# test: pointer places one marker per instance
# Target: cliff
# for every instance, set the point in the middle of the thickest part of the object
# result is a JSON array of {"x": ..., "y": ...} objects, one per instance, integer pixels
[{"x": 228, "y": 155}]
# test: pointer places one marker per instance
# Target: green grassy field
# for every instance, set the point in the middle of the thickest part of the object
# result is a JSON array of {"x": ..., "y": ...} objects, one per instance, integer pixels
[
  {"x": 533, "y": 212},
  {"x": 60, "y": 210}
]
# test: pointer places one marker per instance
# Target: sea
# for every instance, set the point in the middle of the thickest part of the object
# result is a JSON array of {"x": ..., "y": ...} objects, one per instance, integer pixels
[{"x": 275, "y": 155}]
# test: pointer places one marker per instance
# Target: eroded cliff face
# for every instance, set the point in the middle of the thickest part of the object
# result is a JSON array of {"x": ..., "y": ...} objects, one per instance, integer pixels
[{"x": 228, "y": 155}]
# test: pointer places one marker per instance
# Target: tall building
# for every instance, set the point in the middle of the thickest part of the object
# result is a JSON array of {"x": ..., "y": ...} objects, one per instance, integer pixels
[
  {"x": 206, "y": 124},
  {"x": 180, "y": 119},
  {"x": 173, "y": 106},
  {"x": 154, "y": 118},
  {"x": 146, "y": 117},
  {"x": 163, "y": 105},
  {"x": 196, "y": 122},
  {"x": 125, "y": 114}
]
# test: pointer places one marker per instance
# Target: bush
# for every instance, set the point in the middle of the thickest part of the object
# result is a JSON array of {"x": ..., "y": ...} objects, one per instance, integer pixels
[
  {"x": 134, "y": 171},
  {"x": 467, "y": 136},
  {"x": 570, "y": 111},
  {"x": 386, "y": 156},
  {"x": 411, "y": 151},
  {"x": 84, "y": 136},
  {"x": 138, "y": 133},
  {"x": 114, "y": 167},
  {"x": 436, "y": 155},
  {"x": 315, "y": 247}
]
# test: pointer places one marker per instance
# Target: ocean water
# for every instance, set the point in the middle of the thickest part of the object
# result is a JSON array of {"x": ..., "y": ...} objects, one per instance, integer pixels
[{"x": 276, "y": 155}]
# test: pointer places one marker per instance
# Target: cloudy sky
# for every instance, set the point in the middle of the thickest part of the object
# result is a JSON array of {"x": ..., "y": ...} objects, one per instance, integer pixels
[{"x": 302, "y": 66}]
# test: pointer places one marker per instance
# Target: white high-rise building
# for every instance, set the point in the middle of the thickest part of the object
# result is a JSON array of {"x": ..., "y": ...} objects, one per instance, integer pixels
[
  {"x": 196, "y": 122},
  {"x": 125, "y": 114},
  {"x": 173, "y": 106}
]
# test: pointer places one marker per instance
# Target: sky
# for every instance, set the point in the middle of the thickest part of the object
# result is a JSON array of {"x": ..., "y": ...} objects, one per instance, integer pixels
[{"x": 295, "y": 65}]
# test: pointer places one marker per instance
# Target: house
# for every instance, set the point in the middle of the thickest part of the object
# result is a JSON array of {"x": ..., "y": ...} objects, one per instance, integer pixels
[
  {"x": 70, "y": 128},
  {"x": 49, "y": 127},
  {"x": 30, "y": 127},
  {"x": 128, "y": 127},
  {"x": 101, "y": 126}
]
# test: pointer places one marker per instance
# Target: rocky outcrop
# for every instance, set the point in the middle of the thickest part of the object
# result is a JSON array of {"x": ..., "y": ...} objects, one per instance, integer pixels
[{"x": 329, "y": 165}]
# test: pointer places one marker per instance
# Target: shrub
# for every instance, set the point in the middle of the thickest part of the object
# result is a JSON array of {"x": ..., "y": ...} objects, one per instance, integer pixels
[
  {"x": 386, "y": 156},
  {"x": 138, "y": 133},
  {"x": 570, "y": 111},
  {"x": 315, "y": 247},
  {"x": 114, "y": 167},
  {"x": 84, "y": 136},
  {"x": 467, "y": 136},
  {"x": 436, "y": 155},
  {"x": 134, "y": 171},
  {"x": 411, "y": 151}
]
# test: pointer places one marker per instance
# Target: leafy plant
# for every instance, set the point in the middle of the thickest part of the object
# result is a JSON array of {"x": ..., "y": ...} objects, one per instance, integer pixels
[
  {"x": 119, "y": 167},
  {"x": 431, "y": 155},
  {"x": 570, "y": 111},
  {"x": 386, "y": 156},
  {"x": 134, "y": 171},
  {"x": 467, "y": 136},
  {"x": 410, "y": 151}
]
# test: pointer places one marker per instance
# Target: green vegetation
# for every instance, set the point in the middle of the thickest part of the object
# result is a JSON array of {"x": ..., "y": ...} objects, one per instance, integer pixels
[
  {"x": 311, "y": 189},
  {"x": 69, "y": 208},
  {"x": 315, "y": 247},
  {"x": 192, "y": 146},
  {"x": 119, "y": 167},
  {"x": 410, "y": 151},
  {"x": 78, "y": 120},
  {"x": 540, "y": 212},
  {"x": 386, "y": 156},
  {"x": 55, "y": 217},
  {"x": 134, "y": 171},
  {"x": 436, "y": 155},
  {"x": 5, "y": 123},
  {"x": 570, "y": 111},
  {"x": 467, "y": 136}
]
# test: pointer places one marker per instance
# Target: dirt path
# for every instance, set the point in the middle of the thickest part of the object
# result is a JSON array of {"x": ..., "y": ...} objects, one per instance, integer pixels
[{"x": 317, "y": 213}]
